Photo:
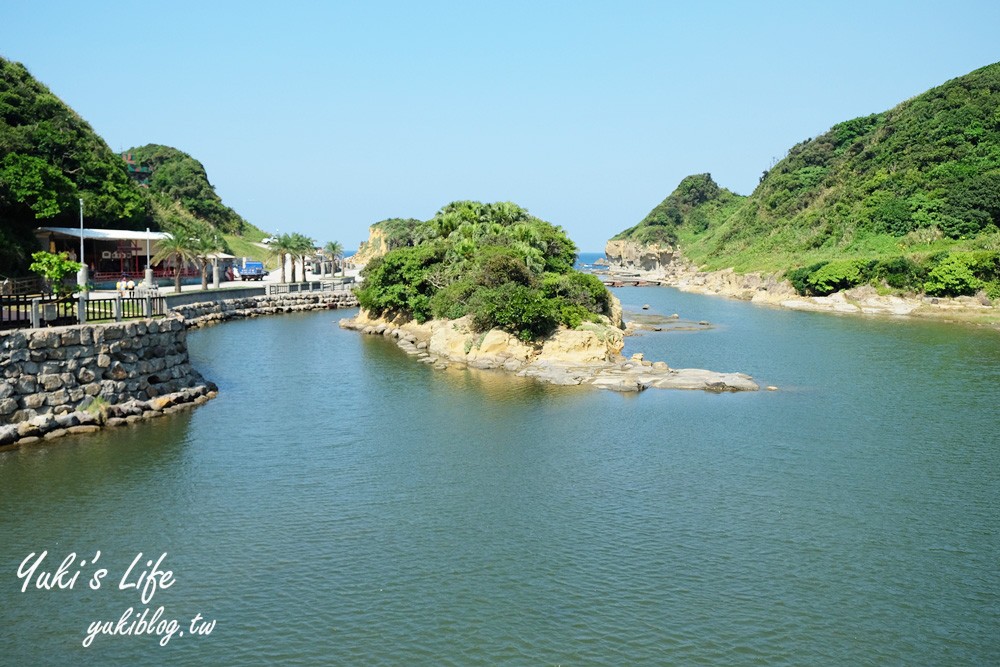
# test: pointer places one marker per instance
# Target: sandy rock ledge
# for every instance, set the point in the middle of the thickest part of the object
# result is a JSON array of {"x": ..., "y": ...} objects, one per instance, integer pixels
[{"x": 587, "y": 356}]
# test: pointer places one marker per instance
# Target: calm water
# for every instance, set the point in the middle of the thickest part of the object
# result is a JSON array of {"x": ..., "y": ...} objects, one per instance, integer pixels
[{"x": 341, "y": 504}]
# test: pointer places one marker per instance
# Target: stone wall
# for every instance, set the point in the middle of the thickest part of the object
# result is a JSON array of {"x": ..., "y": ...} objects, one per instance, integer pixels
[
  {"x": 208, "y": 312},
  {"x": 63, "y": 377},
  {"x": 81, "y": 378}
]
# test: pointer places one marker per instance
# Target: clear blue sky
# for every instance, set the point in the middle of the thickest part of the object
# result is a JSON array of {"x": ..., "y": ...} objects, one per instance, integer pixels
[{"x": 325, "y": 117}]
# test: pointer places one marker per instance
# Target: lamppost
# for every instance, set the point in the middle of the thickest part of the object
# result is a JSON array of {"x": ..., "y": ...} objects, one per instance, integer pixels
[
  {"x": 81, "y": 276},
  {"x": 149, "y": 269}
]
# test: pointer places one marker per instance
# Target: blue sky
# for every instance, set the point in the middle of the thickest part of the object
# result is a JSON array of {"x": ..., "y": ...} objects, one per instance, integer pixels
[{"x": 325, "y": 117}]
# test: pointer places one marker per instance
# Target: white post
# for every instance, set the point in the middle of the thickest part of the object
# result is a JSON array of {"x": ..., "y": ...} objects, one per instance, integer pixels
[
  {"x": 81, "y": 275},
  {"x": 149, "y": 269}
]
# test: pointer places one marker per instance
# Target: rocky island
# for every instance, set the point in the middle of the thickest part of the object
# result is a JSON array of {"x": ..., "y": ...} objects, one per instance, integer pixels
[{"x": 489, "y": 286}]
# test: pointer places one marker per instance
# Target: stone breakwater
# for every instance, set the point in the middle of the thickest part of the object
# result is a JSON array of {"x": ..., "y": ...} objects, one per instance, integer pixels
[
  {"x": 587, "y": 356},
  {"x": 78, "y": 379},
  {"x": 69, "y": 379},
  {"x": 211, "y": 312}
]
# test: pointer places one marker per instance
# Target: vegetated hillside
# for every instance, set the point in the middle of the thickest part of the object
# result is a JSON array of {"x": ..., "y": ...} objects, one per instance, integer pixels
[
  {"x": 49, "y": 159},
  {"x": 495, "y": 262},
  {"x": 907, "y": 199},
  {"x": 177, "y": 179},
  {"x": 696, "y": 203}
]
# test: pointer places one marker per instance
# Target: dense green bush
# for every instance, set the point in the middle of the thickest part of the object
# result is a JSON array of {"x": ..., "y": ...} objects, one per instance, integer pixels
[
  {"x": 579, "y": 289},
  {"x": 800, "y": 277},
  {"x": 397, "y": 282},
  {"x": 963, "y": 274},
  {"x": 899, "y": 273},
  {"x": 521, "y": 310},
  {"x": 835, "y": 276}
]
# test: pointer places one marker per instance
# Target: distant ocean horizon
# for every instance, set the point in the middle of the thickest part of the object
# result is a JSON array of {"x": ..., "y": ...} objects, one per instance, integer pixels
[{"x": 587, "y": 258}]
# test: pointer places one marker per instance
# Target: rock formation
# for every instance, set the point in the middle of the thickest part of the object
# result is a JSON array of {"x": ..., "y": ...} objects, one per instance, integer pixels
[{"x": 589, "y": 355}]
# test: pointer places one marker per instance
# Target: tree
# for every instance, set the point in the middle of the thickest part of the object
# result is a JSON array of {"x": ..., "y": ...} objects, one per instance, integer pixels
[
  {"x": 54, "y": 268},
  {"x": 181, "y": 248},
  {"x": 336, "y": 253},
  {"x": 302, "y": 247},
  {"x": 206, "y": 240},
  {"x": 283, "y": 246}
]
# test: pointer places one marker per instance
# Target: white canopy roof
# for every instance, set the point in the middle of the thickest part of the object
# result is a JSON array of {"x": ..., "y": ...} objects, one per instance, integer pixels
[{"x": 106, "y": 234}]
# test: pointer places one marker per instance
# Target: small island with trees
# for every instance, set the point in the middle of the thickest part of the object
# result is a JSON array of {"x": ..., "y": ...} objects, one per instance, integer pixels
[{"x": 491, "y": 286}]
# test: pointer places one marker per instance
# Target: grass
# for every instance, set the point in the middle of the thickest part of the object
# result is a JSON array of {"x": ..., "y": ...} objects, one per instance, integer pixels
[{"x": 242, "y": 246}]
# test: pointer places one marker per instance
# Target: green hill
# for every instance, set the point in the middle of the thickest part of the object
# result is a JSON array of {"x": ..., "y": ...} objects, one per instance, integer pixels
[
  {"x": 178, "y": 179},
  {"x": 906, "y": 199},
  {"x": 50, "y": 159}
]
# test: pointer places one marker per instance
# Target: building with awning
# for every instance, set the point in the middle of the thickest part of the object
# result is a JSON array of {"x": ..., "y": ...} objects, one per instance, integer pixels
[{"x": 108, "y": 253}]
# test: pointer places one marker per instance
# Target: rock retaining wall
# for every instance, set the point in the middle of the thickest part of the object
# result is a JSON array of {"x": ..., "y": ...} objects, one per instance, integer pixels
[
  {"x": 209, "y": 312},
  {"x": 59, "y": 378}
]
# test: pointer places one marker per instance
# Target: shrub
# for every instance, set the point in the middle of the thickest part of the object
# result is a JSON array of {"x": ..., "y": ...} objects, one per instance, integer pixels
[
  {"x": 952, "y": 276},
  {"x": 899, "y": 272},
  {"x": 799, "y": 277},
  {"x": 580, "y": 289},
  {"x": 837, "y": 276},
  {"x": 452, "y": 302},
  {"x": 499, "y": 265},
  {"x": 521, "y": 310}
]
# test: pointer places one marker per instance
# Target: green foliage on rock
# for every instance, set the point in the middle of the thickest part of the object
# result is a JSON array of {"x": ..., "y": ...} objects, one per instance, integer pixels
[
  {"x": 692, "y": 206},
  {"x": 494, "y": 262}
]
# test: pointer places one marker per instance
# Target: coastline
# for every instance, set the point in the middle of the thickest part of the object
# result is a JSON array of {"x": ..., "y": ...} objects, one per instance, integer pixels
[{"x": 768, "y": 290}]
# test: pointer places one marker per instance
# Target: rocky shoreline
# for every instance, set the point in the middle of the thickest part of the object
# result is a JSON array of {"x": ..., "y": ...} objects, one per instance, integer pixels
[
  {"x": 95, "y": 415},
  {"x": 587, "y": 356},
  {"x": 671, "y": 269}
]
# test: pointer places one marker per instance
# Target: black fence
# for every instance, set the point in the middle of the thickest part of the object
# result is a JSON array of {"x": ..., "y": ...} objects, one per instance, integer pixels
[{"x": 16, "y": 310}]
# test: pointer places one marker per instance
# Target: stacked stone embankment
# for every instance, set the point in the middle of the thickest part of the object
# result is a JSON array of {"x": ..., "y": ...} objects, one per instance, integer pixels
[
  {"x": 75, "y": 379},
  {"x": 209, "y": 312}
]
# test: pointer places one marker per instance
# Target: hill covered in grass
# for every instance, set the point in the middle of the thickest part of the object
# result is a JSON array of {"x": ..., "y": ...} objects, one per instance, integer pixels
[{"x": 906, "y": 199}]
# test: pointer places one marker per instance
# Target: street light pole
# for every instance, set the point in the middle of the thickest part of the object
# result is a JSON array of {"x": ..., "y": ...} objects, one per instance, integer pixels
[
  {"x": 149, "y": 269},
  {"x": 81, "y": 276}
]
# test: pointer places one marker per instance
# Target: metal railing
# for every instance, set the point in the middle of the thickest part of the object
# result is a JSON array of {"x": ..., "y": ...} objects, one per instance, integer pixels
[
  {"x": 21, "y": 311},
  {"x": 335, "y": 285}
]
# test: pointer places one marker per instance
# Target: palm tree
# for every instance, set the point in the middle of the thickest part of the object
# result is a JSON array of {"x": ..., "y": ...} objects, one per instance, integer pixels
[
  {"x": 207, "y": 241},
  {"x": 180, "y": 247},
  {"x": 283, "y": 246},
  {"x": 336, "y": 252},
  {"x": 303, "y": 247}
]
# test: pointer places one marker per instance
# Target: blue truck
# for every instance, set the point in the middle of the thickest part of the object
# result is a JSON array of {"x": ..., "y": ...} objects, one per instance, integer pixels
[{"x": 253, "y": 271}]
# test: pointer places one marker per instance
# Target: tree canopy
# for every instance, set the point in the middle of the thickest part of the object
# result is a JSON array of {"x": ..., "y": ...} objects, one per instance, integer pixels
[
  {"x": 495, "y": 262},
  {"x": 50, "y": 159}
]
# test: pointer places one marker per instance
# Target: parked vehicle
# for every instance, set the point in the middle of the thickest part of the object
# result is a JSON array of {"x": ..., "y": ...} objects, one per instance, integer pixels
[{"x": 253, "y": 271}]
